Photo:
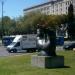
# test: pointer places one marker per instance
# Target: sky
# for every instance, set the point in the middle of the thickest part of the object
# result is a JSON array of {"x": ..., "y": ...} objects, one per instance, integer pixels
[{"x": 14, "y": 8}]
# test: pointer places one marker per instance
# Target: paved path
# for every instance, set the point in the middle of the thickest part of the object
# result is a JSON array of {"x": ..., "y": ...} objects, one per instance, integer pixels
[{"x": 4, "y": 52}]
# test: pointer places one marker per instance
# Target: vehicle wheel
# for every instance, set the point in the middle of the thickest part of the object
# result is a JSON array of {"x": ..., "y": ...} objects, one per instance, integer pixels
[
  {"x": 71, "y": 48},
  {"x": 34, "y": 50},
  {"x": 28, "y": 50},
  {"x": 38, "y": 50},
  {"x": 14, "y": 51},
  {"x": 9, "y": 51}
]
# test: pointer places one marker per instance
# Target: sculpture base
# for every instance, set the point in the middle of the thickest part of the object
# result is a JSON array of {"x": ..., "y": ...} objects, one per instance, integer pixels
[{"x": 47, "y": 61}]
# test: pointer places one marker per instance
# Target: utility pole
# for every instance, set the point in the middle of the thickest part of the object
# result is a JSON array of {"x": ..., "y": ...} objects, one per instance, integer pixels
[
  {"x": 2, "y": 7},
  {"x": 2, "y": 20}
]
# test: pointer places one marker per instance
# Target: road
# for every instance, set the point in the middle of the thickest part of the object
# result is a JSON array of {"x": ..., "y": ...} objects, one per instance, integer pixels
[{"x": 4, "y": 52}]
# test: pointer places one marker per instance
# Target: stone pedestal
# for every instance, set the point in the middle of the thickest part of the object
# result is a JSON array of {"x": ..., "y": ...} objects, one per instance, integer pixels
[{"x": 47, "y": 61}]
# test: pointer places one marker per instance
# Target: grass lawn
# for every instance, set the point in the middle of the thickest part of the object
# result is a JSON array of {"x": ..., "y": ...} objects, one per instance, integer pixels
[{"x": 21, "y": 65}]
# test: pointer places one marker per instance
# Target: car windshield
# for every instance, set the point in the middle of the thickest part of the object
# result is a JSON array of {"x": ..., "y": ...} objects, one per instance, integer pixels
[{"x": 13, "y": 43}]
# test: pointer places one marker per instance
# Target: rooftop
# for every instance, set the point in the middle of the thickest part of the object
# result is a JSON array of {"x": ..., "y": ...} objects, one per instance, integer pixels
[{"x": 42, "y": 4}]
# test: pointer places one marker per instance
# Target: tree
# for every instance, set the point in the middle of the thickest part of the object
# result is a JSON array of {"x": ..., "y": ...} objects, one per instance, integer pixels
[
  {"x": 71, "y": 25},
  {"x": 9, "y": 25},
  {"x": 28, "y": 23},
  {"x": 6, "y": 24}
]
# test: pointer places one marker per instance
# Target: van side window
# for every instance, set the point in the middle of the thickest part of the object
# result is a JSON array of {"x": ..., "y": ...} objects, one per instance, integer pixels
[{"x": 18, "y": 44}]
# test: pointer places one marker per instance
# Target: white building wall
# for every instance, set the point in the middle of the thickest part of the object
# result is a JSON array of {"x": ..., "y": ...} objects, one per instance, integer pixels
[{"x": 56, "y": 8}]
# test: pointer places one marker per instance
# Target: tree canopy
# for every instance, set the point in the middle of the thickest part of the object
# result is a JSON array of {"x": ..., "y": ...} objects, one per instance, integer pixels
[
  {"x": 28, "y": 23},
  {"x": 71, "y": 23}
]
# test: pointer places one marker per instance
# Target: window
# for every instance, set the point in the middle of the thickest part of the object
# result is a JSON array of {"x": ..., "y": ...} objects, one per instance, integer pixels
[{"x": 17, "y": 44}]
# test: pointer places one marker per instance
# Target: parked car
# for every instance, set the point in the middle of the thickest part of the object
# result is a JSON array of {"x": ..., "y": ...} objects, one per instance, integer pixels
[{"x": 69, "y": 46}]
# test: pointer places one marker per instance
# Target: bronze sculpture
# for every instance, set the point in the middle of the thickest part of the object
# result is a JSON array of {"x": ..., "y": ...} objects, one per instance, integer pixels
[{"x": 46, "y": 41}]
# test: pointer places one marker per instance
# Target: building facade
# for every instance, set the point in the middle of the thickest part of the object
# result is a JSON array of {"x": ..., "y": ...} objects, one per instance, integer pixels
[{"x": 56, "y": 7}]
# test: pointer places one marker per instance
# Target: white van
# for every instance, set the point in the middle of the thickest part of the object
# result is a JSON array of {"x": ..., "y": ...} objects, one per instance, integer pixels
[{"x": 23, "y": 42}]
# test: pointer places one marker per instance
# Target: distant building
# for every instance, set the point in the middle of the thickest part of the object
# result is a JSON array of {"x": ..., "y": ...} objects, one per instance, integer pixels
[{"x": 56, "y": 7}]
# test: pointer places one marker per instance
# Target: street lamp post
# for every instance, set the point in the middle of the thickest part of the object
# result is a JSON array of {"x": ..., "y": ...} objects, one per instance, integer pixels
[
  {"x": 2, "y": 3},
  {"x": 2, "y": 20}
]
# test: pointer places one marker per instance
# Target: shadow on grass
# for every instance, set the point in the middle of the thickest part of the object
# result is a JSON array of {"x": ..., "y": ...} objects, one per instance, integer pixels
[{"x": 58, "y": 67}]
